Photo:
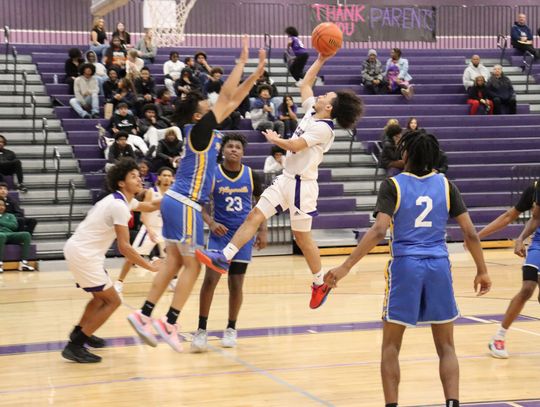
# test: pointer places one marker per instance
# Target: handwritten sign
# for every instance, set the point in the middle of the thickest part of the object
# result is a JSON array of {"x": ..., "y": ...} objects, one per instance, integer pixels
[{"x": 363, "y": 22}]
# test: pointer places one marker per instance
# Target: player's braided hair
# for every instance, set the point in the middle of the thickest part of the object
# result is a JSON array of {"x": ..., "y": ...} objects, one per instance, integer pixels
[{"x": 422, "y": 151}]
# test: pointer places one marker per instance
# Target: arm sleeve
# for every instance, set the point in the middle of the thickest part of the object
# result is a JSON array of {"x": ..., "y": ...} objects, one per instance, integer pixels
[
  {"x": 257, "y": 184},
  {"x": 320, "y": 134},
  {"x": 120, "y": 214},
  {"x": 526, "y": 199},
  {"x": 386, "y": 199},
  {"x": 201, "y": 133},
  {"x": 457, "y": 206}
]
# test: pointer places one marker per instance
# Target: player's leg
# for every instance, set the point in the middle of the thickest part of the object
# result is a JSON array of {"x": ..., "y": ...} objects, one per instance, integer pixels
[
  {"x": 144, "y": 246},
  {"x": 199, "y": 342},
  {"x": 443, "y": 336},
  {"x": 237, "y": 273},
  {"x": 119, "y": 283},
  {"x": 390, "y": 372}
]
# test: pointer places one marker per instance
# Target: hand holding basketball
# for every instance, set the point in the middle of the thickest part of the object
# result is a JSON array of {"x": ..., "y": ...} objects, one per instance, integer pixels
[{"x": 327, "y": 39}]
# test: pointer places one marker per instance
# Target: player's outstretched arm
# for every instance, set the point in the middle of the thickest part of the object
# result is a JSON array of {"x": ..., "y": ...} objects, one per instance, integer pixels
[
  {"x": 482, "y": 282},
  {"x": 148, "y": 206},
  {"x": 122, "y": 239},
  {"x": 373, "y": 236},
  {"x": 530, "y": 227},
  {"x": 500, "y": 223},
  {"x": 306, "y": 87}
]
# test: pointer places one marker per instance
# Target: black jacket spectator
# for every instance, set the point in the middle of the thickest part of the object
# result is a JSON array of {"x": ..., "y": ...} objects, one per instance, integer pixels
[
  {"x": 168, "y": 149},
  {"x": 127, "y": 123},
  {"x": 501, "y": 90},
  {"x": 143, "y": 87},
  {"x": 10, "y": 164},
  {"x": 71, "y": 67},
  {"x": 116, "y": 152},
  {"x": 390, "y": 156},
  {"x": 521, "y": 36}
]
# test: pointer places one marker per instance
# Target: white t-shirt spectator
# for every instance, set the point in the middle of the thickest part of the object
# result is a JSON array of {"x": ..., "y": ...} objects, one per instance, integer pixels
[
  {"x": 271, "y": 165},
  {"x": 173, "y": 69}
]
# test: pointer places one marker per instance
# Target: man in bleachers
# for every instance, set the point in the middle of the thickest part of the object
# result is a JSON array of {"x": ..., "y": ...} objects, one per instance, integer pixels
[
  {"x": 12, "y": 206},
  {"x": 123, "y": 121},
  {"x": 153, "y": 127},
  {"x": 10, "y": 164},
  {"x": 86, "y": 88},
  {"x": 501, "y": 89},
  {"x": 474, "y": 69},
  {"x": 521, "y": 36},
  {"x": 372, "y": 74}
]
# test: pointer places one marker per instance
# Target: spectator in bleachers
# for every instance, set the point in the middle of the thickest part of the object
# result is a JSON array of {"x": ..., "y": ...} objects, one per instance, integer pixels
[
  {"x": 297, "y": 54},
  {"x": 10, "y": 164},
  {"x": 153, "y": 127},
  {"x": 474, "y": 69},
  {"x": 397, "y": 74},
  {"x": 390, "y": 156},
  {"x": 215, "y": 76},
  {"x": 187, "y": 82},
  {"x": 145, "y": 89},
  {"x": 169, "y": 150},
  {"x": 263, "y": 112},
  {"x": 72, "y": 67},
  {"x": 146, "y": 47},
  {"x": 521, "y": 36},
  {"x": 412, "y": 124},
  {"x": 164, "y": 106},
  {"x": 172, "y": 69},
  {"x": 479, "y": 97},
  {"x": 98, "y": 36},
  {"x": 148, "y": 177},
  {"x": 120, "y": 149},
  {"x": 9, "y": 234},
  {"x": 213, "y": 88},
  {"x": 125, "y": 94},
  {"x": 202, "y": 67},
  {"x": 287, "y": 114},
  {"x": 124, "y": 36},
  {"x": 273, "y": 164},
  {"x": 115, "y": 57},
  {"x": 501, "y": 90},
  {"x": 101, "y": 71},
  {"x": 264, "y": 79},
  {"x": 86, "y": 88},
  {"x": 124, "y": 121},
  {"x": 388, "y": 124},
  {"x": 372, "y": 74},
  {"x": 110, "y": 86},
  {"x": 134, "y": 64},
  {"x": 12, "y": 206}
]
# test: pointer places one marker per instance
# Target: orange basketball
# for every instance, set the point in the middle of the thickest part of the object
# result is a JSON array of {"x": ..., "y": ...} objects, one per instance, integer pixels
[{"x": 327, "y": 38}]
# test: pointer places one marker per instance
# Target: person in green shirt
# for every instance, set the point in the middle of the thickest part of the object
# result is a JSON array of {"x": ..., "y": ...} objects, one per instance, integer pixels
[{"x": 9, "y": 234}]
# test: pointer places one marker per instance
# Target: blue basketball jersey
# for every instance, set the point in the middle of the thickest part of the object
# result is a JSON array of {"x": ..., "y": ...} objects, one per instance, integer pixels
[
  {"x": 232, "y": 197},
  {"x": 196, "y": 172},
  {"x": 419, "y": 221},
  {"x": 535, "y": 242}
]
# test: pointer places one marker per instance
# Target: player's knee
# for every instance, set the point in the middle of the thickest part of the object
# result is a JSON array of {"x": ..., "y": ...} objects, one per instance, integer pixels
[
  {"x": 526, "y": 291},
  {"x": 445, "y": 348}
]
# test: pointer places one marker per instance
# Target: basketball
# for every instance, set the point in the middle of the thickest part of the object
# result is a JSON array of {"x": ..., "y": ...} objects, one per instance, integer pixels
[{"x": 327, "y": 38}]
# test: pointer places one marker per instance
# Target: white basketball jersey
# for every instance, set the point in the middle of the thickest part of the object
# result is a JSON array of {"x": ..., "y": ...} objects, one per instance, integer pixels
[{"x": 153, "y": 219}]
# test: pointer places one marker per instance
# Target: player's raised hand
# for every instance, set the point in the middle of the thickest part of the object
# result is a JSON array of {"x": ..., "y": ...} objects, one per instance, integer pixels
[
  {"x": 482, "y": 284},
  {"x": 262, "y": 61},
  {"x": 334, "y": 275},
  {"x": 519, "y": 248},
  {"x": 271, "y": 136},
  {"x": 244, "y": 54}
]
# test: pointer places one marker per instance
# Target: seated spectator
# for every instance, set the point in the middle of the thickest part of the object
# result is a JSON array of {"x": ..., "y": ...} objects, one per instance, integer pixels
[
  {"x": 164, "y": 106},
  {"x": 501, "y": 90},
  {"x": 287, "y": 114},
  {"x": 169, "y": 151},
  {"x": 232, "y": 122},
  {"x": 98, "y": 36},
  {"x": 372, "y": 74},
  {"x": 442, "y": 166},
  {"x": 101, "y": 71},
  {"x": 115, "y": 57},
  {"x": 202, "y": 67},
  {"x": 134, "y": 64},
  {"x": 153, "y": 127},
  {"x": 110, "y": 86},
  {"x": 119, "y": 149},
  {"x": 72, "y": 66},
  {"x": 264, "y": 79},
  {"x": 297, "y": 54},
  {"x": 397, "y": 74},
  {"x": 263, "y": 112},
  {"x": 521, "y": 36},
  {"x": 390, "y": 156},
  {"x": 474, "y": 69},
  {"x": 125, "y": 122},
  {"x": 187, "y": 82},
  {"x": 12, "y": 206},
  {"x": 273, "y": 164},
  {"x": 120, "y": 32},
  {"x": 412, "y": 124},
  {"x": 86, "y": 100},
  {"x": 390, "y": 122},
  {"x": 172, "y": 69},
  {"x": 146, "y": 47},
  {"x": 148, "y": 178},
  {"x": 145, "y": 89},
  {"x": 215, "y": 76},
  {"x": 9, "y": 234},
  {"x": 10, "y": 164},
  {"x": 125, "y": 94},
  {"x": 480, "y": 98}
]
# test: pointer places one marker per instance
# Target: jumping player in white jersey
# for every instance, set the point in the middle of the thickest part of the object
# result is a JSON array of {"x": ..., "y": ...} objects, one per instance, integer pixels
[
  {"x": 150, "y": 234},
  {"x": 85, "y": 254},
  {"x": 297, "y": 189}
]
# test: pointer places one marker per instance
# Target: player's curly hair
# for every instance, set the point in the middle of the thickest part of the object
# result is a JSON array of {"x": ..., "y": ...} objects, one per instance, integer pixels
[
  {"x": 422, "y": 151},
  {"x": 119, "y": 172},
  {"x": 347, "y": 108}
]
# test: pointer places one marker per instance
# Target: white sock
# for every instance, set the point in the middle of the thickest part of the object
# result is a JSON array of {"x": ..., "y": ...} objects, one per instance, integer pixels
[
  {"x": 318, "y": 278},
  {"x": 230, "y": 251},
  {"x": 501, "y": 333}
]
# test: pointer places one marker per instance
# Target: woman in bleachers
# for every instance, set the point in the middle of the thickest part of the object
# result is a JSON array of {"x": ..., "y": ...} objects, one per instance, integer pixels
[
  {"x": 116, "y": 57},
  {"x": 397, "y": 74},
  {"x": 101, "y": 71},
  {"x": 134, "y": 64},
  {"x": 287, "y": 114},
  {"x": 480, "y": 98},
  {"x": 412, "y": 124},
  {"x": 125, "y": 94},
  {"x": 98, "y": 36},
  {"x": 71, "y": 67},
  {"x": 146, "y": 47},
  {"x": 124, "y": 36}
]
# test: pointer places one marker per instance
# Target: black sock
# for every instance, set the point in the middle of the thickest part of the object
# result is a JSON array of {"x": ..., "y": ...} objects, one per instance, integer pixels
[
  {"x": 172, "y": 315},
  {"x": 452, "y": 403},
  {"x": 79, "y": 338},
  {"x": 391, "y": 405},
  {"x": 147, "y": 308},
  {"x": 202, "y": 322},
  {"x": 231, "y": 324}
]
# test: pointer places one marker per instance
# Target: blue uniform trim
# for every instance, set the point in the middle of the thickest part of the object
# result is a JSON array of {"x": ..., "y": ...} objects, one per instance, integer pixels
[{"x": 328, "y": 122}]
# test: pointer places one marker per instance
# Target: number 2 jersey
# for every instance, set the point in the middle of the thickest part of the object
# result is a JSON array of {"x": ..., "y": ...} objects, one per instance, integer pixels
[{"x": 420, "y": 208}]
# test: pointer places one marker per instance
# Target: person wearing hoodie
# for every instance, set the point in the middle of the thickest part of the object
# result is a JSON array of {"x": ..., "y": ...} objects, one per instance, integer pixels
[
  {"x": 101, "y": 71},
  {"x": 372, "y": 77},
  {"x": 501, "y": 89},
  {"x": 521, "y": 36},
  {"x": 474, "y": 69}
]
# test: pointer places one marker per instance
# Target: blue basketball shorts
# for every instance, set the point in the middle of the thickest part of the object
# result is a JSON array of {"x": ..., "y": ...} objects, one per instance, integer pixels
[
  {"x": 182, "y": 224},
  {"x": 219, "y": 242},
  {"x": 419, "y": 290},
  {"x": 531, "y": 266}
]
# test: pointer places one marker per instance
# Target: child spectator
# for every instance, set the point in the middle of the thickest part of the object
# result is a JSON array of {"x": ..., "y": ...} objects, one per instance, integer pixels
[
  {"x": 101, "y": 71},
  {"x": 10, "y": 164},
  {"x": 501, "y": 90},
  {"x": 9, "y": 234},
  {"x": 215, "y": 76},
  {"x": 119, "y": 149},
  {"x": 390, "y": 156},
  {"x": 397, "y": 74},
  {"x": 86, "y": 100},
  {"x": 12, "y": 206},
  {"x": 263, "y": 112},
  {"x": 164, "y": 106},
  {"x": 474, "y": 69},
  {"x": 98, "y": 36},
  {"x": 146, "y": 47},
  {"x": 273, "y": 165},
  {"x": 168, "y": 152},
  {"x": 120, "y": 32},
  {"x": 287, "y": 114},
  {"x": 134, "y": 64},
  {"x": 479, "y": 97},
  {"x": 172, "y": 70},
  {"x": 125, "y": 122},
  {"x": 110, "y": 86},
  {"x": 298, "y": 55},
  {"x": 154, "y": 127},
  {"x": 72, "y": 66},
  {"x": 372, "y": 74},
  {"x": 115, "y": 57}
]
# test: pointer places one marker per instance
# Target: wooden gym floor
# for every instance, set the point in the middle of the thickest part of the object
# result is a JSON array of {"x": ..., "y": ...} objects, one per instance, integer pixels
[{"x": 287, "y": 354}]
